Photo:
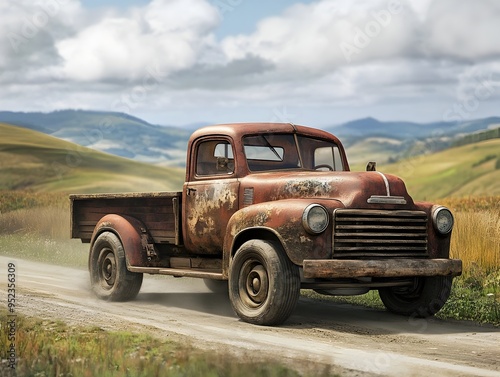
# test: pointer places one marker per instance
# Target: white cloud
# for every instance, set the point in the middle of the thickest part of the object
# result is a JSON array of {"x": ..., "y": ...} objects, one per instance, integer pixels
[
  {"x": 327, "y": 53},
  {"x": 322, "y": 36},
  {"x": 463, "y": 29},
  {"x": 172, "y": 34}
]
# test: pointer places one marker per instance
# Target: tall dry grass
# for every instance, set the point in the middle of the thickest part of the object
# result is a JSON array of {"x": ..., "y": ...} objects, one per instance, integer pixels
[
  {"x": 476, "y": 235},
  {"x": 36, "y": 226},
  {"x": 42, "y": 221},
  {"x": 14, "y": 200},
  {"x": 43, "y": 214},
  {"x": 476, "y": 240}
]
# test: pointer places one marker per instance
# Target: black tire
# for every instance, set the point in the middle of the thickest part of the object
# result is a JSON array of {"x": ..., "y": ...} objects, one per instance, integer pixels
[
  {"x": 109, "y": 276},
  {"x": 424, "y": 299},
  {"x": 264, "y": 285},
  {"x": 216, "y": 286}
]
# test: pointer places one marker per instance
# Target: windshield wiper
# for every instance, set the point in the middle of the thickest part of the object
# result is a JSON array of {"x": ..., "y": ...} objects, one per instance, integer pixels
[{"x": 268, "y": 144}]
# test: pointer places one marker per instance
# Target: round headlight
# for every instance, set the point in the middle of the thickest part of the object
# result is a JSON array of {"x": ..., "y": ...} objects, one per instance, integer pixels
[
  {"x": 315, "y": 218},
  {"x": 443, "y": 220}
]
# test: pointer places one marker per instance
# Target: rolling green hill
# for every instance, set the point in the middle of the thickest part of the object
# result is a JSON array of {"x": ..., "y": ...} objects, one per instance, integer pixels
[
  {"x": 110, "y": 132},
  {"x": 31, "y": 160},
  {"x": 372, "y": 140},
  {"x": 373, "y": 149},
  {"x": 470, "y": 170}
]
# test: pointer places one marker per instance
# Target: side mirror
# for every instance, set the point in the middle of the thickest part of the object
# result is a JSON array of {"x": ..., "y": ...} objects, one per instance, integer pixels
[{"x": 371, "y": 166}]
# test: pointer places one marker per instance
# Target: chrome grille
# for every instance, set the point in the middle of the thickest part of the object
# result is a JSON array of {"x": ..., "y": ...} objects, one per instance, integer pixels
[{"x": 372, "y": 233}]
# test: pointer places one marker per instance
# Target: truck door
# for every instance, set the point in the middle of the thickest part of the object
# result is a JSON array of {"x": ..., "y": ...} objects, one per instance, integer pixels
[{"x": 210, "y": 196}]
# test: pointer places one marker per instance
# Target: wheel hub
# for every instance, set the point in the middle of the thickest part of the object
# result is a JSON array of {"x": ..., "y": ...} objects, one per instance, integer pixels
[
  {"x": 108, "y": 269},
  {"x": 257, "y": 284}
]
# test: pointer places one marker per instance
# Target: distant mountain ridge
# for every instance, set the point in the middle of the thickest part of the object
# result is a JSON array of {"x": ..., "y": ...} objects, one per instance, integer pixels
[
  {"x": 404, "y": 130},
  {"x": 128, "y": 136}
]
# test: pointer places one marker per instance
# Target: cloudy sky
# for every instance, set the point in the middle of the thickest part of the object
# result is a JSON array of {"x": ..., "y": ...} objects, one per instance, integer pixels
[{"x": 317, "y": 63}]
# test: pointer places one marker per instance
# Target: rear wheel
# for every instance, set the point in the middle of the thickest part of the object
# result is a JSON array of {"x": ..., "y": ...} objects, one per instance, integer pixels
[
  {"x": 264, "y": 285},
  {"x": 424, "y": 299},
  {"x": 109, "y": 276}
]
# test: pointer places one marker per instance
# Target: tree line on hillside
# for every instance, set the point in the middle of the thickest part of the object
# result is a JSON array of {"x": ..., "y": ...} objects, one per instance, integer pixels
[{"x": 477, "y": 137}]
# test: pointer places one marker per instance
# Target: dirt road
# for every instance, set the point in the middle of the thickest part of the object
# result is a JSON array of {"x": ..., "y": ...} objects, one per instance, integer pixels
[{"x": 357, "y": 341}]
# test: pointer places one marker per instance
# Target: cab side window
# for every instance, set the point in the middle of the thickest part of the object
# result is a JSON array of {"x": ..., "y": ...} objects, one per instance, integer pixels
[{"x": 214, "y": 157}]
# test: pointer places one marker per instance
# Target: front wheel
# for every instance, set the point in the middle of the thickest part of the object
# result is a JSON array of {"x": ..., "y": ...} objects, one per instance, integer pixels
[
  {"x": 424, "y": 299},
  {"x": 264, "y": 285},
  {"x": 109, "y": 276}
]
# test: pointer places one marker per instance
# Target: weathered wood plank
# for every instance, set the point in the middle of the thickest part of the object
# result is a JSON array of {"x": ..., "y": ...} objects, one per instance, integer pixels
[
  {"x": 149, "y": 218},
  {"x": 157, "y": 209},
  {"x": 162, "y": 194},
  {"x": 334, "y": 268}
]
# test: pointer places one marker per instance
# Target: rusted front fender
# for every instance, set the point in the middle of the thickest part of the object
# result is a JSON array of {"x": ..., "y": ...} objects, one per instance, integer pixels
[
  {"x": 128, "y": 230},
  {"x": 281, "y": 220}
]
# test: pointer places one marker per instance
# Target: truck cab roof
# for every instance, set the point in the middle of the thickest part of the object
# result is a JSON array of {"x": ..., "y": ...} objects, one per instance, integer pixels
[{"x": 238, "y": 130}]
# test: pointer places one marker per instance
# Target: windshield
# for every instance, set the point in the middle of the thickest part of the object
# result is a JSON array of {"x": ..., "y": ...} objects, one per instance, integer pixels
[{"x": 286, "y": 151}]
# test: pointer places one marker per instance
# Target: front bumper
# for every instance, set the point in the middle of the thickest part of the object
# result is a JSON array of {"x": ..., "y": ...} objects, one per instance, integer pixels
[{"x": 383, "y": 268}]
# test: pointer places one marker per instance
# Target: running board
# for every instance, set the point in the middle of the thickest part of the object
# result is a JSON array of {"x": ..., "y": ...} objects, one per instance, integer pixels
[{"x": 178, "y": 272}]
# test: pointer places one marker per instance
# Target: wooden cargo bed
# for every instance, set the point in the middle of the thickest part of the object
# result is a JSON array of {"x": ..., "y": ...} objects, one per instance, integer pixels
[{"x": 159, "y": 211}]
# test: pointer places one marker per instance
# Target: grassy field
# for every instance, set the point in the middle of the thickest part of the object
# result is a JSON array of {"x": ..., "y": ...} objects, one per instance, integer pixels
[
  {"x": 48, "y": 348},
  {"x": 34, "y": 161},
  {"x": 476, "y": 236}
]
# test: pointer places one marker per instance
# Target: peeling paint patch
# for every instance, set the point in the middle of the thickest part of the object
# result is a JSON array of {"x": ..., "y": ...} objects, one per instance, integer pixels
[
  {"x": 308, "y": 187},
  {"x": 209, "y": 208}
]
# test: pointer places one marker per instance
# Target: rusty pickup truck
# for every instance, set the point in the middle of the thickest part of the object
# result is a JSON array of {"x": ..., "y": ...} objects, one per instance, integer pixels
[{"x": 268, "y": 209}]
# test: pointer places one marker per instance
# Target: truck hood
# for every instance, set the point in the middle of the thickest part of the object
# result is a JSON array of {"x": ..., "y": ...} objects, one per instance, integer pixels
[{"x": 353, "y": 189}]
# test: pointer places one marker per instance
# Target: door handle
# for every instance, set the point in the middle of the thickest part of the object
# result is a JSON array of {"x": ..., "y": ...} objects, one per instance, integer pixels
[{"x": 190, "y": 191}]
